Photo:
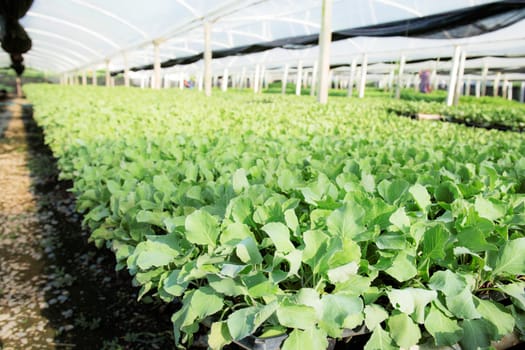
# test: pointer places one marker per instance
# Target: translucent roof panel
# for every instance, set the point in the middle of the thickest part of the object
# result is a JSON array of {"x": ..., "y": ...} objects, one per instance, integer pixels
[{"x": 72, "y": 35}]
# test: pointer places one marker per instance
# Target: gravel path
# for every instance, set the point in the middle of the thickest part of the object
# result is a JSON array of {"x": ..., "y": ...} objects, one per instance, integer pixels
[{"x": 22, "y": 283}]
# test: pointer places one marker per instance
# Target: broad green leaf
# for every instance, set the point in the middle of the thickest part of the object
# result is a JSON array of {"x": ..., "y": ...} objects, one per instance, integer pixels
[
  {"x": 474, "y": 239},
  {"x": 227, "y": 286},
  {"x": 368, "y": 182},
  {"x": 380, "y": 340},
  {"x": 489, "y": 208},
  {"x": 280, "y": 236},
  {"x": 445, "y": 330},
  {"x": 421, "y": 196},
  {"x": 219, "y": 335},
  {"x": 412, "y": 301},
  {"x": 346, "y": 221},
  {"x": 157, "y": 251},
  {"x": 462, "y": 305},
  {"x": 315, "y": 242},
  {"x": 205, "y": 301},
  {"x": 517, "y": 292},
  {"x": 392, "y": 192},
  {"x": 291, "y": 220},
  {"x": 403, "y": 267},
  {"x": 475, "y": 334},
  {"x": 248, "y": 251},
  {"x": 311, "y": 339},
  {"x": 240, "y": 181},
  {"x": 163, "y": 184},
  {"x": 172, "y": 286},
  {"x": 501, "y": 318},
  {"x": 403, "y": 330},
  {"x": 153, "y": 217},
  {"x": 394, "y": 241},
  {"x": 400, "y": 219},
  {"x": 447, "y": 282},
  {"x": 259, "y": 285},
  {"x": 243, "y": 322},
  {"x": 511, "y": 258},
  {"x": 342, "y": 273},
  {"x": 374, "y": 315},
  {"x": 202, "y": 228},
  {"x": 340, "y": 311},
  {"x": 297, "y": 316},
  {"x": 434, "y": 242},
  {"x": 234, "y": 233}
]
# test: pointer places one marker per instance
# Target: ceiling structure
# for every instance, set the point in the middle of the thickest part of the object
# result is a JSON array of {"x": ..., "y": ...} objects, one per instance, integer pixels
[{"x": 76, "y": 35}]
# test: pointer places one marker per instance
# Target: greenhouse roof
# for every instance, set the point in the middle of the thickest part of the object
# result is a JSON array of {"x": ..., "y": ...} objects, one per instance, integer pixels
[{"x": 74, "y": 35}]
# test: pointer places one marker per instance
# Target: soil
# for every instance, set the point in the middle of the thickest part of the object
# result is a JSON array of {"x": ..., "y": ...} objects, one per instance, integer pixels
[{"x": 57, "y": 291}]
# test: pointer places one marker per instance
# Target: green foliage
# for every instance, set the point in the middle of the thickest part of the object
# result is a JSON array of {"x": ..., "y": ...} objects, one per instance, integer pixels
[{"x": 261, "y": 214}]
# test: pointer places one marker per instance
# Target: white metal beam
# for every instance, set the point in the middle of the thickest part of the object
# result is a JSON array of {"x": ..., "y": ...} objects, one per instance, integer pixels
[{"x": 325, "y": 39}]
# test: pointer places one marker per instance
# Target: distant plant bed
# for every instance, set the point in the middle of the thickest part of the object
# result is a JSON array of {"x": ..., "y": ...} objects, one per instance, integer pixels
[
  {"x": 486, "y": 113},
  {"x": 279, "y": 216}
]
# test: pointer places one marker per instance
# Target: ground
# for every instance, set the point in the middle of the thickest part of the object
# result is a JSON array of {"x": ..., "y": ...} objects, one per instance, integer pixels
[{"x": 57, "y": 291}]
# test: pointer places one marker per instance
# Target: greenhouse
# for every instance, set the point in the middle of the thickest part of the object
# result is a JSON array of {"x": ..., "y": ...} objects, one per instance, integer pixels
[{"x": 262, "y": 174}]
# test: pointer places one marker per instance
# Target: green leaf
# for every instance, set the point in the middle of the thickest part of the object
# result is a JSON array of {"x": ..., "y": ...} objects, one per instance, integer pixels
[
  {"x": 489, "y": 208},
  {"x": 421, "y": 196},
  {"x": 243, "y": 322},
  {"x": 205, "y": 302},
  {"x": 153, "y": 217},
  {"x": 342, "y": 273},
  {"x": 392, "y": 192},
  {"x": 311, "y": 339},
  {"x": 368, "y": 182},
  {"x": 447, "y": 282},
  {"x": 475, "y": 334},
  {"x": 163, "y": 184},
  {"x": 400, "y": 219},
  {"x": 403, "y": 330},
  {"x": 462, "y": 305},
  {"x": 227, "y": 286},
  {"x": 234, "y": 233},
  {"x": 446, "y": 331},
  {"x": 172, "y": 286},
  {"x": 248, "y": 251},
  {"x": 380, "y": 340},
  {"x": 315, "y": 242},
  {"x": 280, "y": 235},
  {"x": 202, "y": 228},
  {"x": 511, "y": 258},
  {"x": 412, "y": 301},
  {"x": 291, "y": 220},
  {"x": 240, "y": 181},
  {"x": 340, "y": 311},
  {"x": 403, "y": 267},
  {"x": 346, "y": 221},
  {"x": 517, "y": 291},
  {"x": 494, "y": 313},
  {"x": 157, "y": 251},
  {"x": 374, "y": 315},
  {"x": 297, "y": 316},
  {"x": 219, "y": 335},
  {"x": 259, "y": 285},
  {"x": 434, "y": 242}
]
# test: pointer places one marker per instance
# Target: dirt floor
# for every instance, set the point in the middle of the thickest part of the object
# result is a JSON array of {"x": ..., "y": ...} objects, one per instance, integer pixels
[{"x": 56, "y": 290}]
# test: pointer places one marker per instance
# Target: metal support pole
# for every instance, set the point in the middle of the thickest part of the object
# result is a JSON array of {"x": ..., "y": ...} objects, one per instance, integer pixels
[
  {"x": 224, "y": 83},
  {"x": 207, "y": 58},
  {"x": 325, "y": 38},
  {"x": 496, "y": 84},
  {"x": 467, "y": 87},
  {"x": 285, "y": 79},
  {"x": 505, "y": 87},
  {"x": 478, "y": 89},
  {"x": 84, "y": 78},
  {"x": 94, "y": 77},
  {"x": 509, "y": 93},
  {"x": 453, "y": 76},
  {"x": 484, "y": 74},
  {"x": 262, "y": 78},
  {"x": 362, "y": 83},
  {"x": 351, "y": 78},
  {"x": 108, "y": 76},
  {"x": 156, "y": 66},
  {"x": 461, "y": 71},
  {"x": 522, "y": 92},
  {"x": 126, "y": 70},
  {"x": 256, "y": 79},
  {"x": 298, "y": 78}
]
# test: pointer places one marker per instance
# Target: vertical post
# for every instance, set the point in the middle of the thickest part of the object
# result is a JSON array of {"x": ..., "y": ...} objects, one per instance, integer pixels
[
  {"x": 496, "y": 84},
  {"x": 298, "y": 77},
  {"x": 314, "y": 78},
  {"x": 108, "y": 82},
  {"x": 84, "y": 78},
  {"x": 285, "y": 79},
  {"x": 509, "y": 93},
  {"x": 256, "y": 78},
  {"x": 19, "y": 93},
  {"x": 484, "y": 74},
  {"x": 207, "y": 58},
  {"x": 362, "y": 83},
  {"x": 400, "y": 76},
  {"x": 262, "y": 78},
  {"x": 390, "y": 81},
  {"x": 467, "y": 87},
  {"x": 461, "y": 71},
  {"x": 504, "y": 88},
  {"x": 478, "y": 88},
  {"x": 94, "y": 78},
  {"x": 126, "y": 70},
  {"x": 224, "y": 82},
  {"x": 325, "y": 39},
  {"x": 522, "y": 92},
  {"x": 453, "y": 76},
  {"x": 351, "y": 78},
  {"x": 243, "y": 78}
]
